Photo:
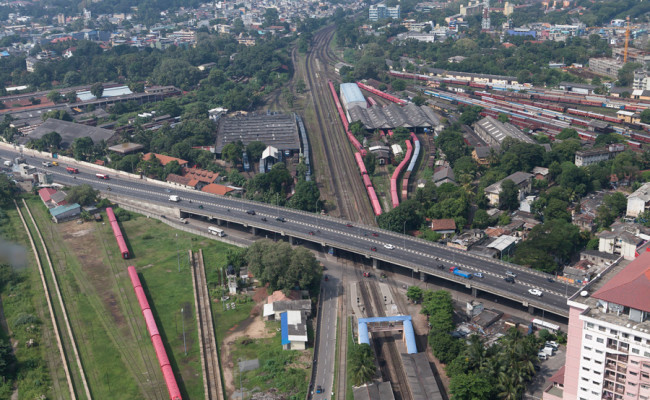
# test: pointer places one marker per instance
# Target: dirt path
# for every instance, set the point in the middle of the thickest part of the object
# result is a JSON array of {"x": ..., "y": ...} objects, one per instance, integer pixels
[{"x": 252, "y": 327}]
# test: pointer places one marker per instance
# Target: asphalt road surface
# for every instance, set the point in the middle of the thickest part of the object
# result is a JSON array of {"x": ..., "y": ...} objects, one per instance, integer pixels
[{"x": 407, "y": 251}]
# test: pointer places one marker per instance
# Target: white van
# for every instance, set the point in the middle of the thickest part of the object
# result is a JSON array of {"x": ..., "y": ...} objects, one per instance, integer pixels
[
  {"x": 542, "y": 356},
  {"x": 8, "y": 163},
  {"x": 174, "y": 198}
]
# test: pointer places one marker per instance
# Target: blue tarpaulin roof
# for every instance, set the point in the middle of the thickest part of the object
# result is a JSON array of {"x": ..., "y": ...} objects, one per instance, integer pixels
[
  {"x": 65, "y": 208},
  {"x": 409, "y": 334},
  {"x": 352, "y": 93},
  {"x": 284, "y": 327}
]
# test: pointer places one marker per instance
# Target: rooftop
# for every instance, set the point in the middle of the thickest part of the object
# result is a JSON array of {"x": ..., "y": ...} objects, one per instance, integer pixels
[
  {"x": 499, "y": 130},
  {"x": 215, "y": 188},
  {"x": 393, "y": 116},
  {"x": 182, "y": 180},
  {"x": 443, "y": 225},
  {"x": 631, "y": 286},
  {"x": 164, "y": 160},
  {"x": 70, "y": 131},
  {"x": 126, "y": 148},
  {"x": 518, "y": 177},
  {"x": 352, "y": 93},
  {"x": 63, "y": 209},
  {"x": 277, "y": 130}
]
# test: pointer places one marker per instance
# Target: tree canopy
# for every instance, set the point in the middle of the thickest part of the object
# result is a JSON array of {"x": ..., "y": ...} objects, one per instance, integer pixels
[{"x": 282, "y": 267}]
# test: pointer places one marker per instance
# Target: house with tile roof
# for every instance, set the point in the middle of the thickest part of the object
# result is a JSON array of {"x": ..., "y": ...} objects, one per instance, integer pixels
[
  {"x": 164, "y": 160},
  {"x": 523, "y": 180},
  {"x": 444, "y": 227},
  {"x": 219, "y": 190},
  {"x": 52, "y": 197},
  {"x": 183, "y": 181},
  {"x": 202, "y": 175}
]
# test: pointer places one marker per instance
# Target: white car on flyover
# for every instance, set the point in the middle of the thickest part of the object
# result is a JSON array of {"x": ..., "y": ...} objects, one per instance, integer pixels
[
  {"x": 535, "y": 292},
  {"x": 389, "y": 246}
]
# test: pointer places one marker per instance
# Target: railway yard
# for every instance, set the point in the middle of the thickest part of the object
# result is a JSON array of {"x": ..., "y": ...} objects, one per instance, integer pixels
[{"x": 175, "y": 354}]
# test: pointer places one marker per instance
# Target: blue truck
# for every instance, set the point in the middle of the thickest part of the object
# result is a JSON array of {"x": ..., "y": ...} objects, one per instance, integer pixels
[{"x": 459, "y": 272}]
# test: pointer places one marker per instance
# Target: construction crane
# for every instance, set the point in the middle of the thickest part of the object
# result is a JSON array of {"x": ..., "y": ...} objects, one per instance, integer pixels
[{"x": 627, "y": 39}]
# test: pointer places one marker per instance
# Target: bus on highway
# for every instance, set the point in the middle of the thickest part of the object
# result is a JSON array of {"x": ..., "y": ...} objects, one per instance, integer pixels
[
  {"x": 72, "y": 170},
  {"x": 102, "y": 176},
  {"x": 216, "y": 231},
  {"x": 541, "y": 324}
]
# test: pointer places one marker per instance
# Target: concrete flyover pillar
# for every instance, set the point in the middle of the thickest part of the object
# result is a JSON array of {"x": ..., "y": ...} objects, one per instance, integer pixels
[
  {"x": 474, "y": 291},
  {"x": 219, "y": 222},
  {"x": 375, "y": 263},
  {"x": 423, "y": 277},
  {"x": 531, "y": 309},
  {"x": 291, "y": 240},
  {"x": 253, "y": 230}
]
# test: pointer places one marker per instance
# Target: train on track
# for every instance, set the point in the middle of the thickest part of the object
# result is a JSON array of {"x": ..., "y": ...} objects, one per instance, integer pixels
[
  {"x": 117, "y": 232},
  {"x": 372, "y": 194},
  {"x": 154, "y": 334}
]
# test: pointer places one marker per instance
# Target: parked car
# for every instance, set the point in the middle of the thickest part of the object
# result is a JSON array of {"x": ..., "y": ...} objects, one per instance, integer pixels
[{"x": 542, "y": 356}]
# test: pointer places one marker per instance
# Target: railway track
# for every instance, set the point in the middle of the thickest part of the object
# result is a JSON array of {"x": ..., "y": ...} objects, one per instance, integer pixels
[
  {"x": 50, "y": 306},
  {"x": 390, "y": 360},
  {"x": 212, "y": 384},
  {"x": 153, "y": 385},
  {"x": 64, "y": 311},
  {"x": 347, "y": 187}
]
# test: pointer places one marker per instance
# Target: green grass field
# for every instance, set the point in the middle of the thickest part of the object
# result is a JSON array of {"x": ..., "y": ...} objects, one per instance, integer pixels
[
  {"x": 114, "y": 345},
  {"x": 40, "y": 371},
  {"x": 287, "y": 371}
]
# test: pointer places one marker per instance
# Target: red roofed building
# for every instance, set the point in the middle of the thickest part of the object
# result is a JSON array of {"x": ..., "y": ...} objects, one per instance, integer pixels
[
  {"x": 443, "y": 226},
  {"x": 52, "y": 197},
  {"x": 185, "y": 181},
  {"x": 201, "y": 175},
  {"x": 215, "y": 188},
  {"x": 608, "y": 348},
  {"x": 164, "y": 160}
]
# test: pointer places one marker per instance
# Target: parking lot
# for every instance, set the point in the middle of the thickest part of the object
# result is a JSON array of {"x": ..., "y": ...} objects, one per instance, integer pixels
[{"x": 548, "y": 367}]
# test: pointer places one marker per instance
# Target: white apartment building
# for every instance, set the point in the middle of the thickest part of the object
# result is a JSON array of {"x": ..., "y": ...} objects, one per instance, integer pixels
[
  {"x": 608, "y": 349},
  {"x": 639, "y": 201}
]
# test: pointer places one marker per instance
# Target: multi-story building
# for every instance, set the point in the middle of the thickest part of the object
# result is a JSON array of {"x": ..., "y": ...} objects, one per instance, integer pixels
[
  {"x": 639, "y": 201},
  {"x": 608, "y": 348},
  {"x": 594, "y": 156},
  {"x": 641, "y": 80},
  {"x": 380, "y": 11},
  {"x": 605, "y": 66}
]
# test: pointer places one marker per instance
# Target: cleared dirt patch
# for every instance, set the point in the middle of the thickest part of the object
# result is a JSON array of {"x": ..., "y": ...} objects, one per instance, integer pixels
[
  {"x": 252, "y": 327},
  {"x": 82, "y": 239}
]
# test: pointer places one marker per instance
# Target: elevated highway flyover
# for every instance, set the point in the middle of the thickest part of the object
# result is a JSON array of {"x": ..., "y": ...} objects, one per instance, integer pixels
[{"x": 380, "y": 246}]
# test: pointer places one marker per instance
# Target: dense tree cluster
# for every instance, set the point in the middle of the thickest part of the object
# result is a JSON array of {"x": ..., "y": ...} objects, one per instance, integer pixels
[
  {"x": 282, "y": 267},
  {"x": 84, "y": 195}
]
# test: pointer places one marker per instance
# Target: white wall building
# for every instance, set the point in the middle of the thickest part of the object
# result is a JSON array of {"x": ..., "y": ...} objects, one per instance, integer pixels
[
  {"x": 608, "y": 349},
  {"x": 639, "y": 201}
]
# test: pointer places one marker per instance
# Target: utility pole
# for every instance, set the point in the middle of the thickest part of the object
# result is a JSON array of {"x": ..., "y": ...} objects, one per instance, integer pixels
[
  {"x": 178, "y": 255},
  {"x": 183, "y": 321}
]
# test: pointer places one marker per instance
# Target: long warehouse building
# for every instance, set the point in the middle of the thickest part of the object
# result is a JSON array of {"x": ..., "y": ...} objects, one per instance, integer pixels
[{"x": 351, "y": 96}]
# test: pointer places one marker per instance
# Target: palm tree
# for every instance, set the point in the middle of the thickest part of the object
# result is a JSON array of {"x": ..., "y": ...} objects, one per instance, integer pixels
[
  {"x": 507, "y": 388},
  {"x": 476, "y": 352}
]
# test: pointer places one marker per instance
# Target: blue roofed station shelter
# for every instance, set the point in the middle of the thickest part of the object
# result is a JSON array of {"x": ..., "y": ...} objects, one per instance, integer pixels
[{"x": 384, "y": 324}]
